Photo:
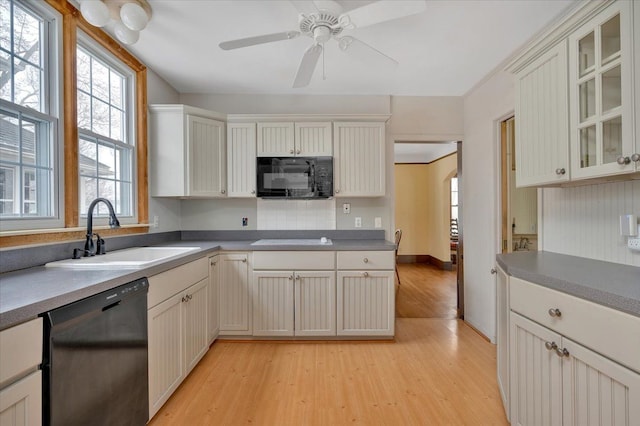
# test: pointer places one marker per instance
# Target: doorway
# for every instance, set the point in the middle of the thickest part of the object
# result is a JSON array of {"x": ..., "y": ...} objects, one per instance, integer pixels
[
  {"x": 426, "y": 201},
  {"x": 519, "y": 206}
]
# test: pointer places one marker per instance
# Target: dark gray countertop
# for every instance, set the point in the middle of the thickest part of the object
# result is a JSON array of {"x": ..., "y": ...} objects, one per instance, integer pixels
[
  {"x": 610, "y": 284},
  {"x": 26, "y": 293}
]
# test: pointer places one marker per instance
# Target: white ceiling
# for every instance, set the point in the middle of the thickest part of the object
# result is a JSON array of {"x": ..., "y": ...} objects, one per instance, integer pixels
[
  {"x": 444, "y": 51},
  {"x": 418, "y": 152}
]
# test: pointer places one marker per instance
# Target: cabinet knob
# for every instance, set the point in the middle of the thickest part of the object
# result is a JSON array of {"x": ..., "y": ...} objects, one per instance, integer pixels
[
  {"x": 551, "y": 346},
  {"x": 253, "y": 191},
  {"x": 365, "y": 260},
  {"x": 298, "y": 151},
  {"x": 290, "y": 277},
  {"x": 224, "y": 191},
  {"x": 290, "y": 151},
  {"x": 365, "y": 274},
  {"x": 562, "y": 352},
  {"x": 493, "y": 271},
  {"x": 555, "y": 312},
  {"x": 184, "y": 299},
  {"x": 635, "y": 158},
  {"x": 560, "y": 171},
  {"x": 297, "y": 277},
  {"x": 337, "y": 191},
  {"x": 623, "y": 160},
  {"x": 213, "y": 263},
  {"x": 244, "y": 260}
]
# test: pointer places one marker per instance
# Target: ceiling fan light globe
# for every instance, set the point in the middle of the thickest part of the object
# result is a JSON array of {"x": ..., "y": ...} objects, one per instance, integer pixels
[
  {"x": 95, "y": 12},
  {"x": 133, "y": 16},
  {"x": 124, "y": 34},
  {"x": 321, "y": 34}
]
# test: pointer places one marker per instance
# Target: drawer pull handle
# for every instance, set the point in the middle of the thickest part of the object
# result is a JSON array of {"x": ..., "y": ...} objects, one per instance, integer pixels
[
  {"x": 290, "y": 277},
  {"x": 365, "y": 274},
  {"x": 297, "y": 277},
  {"x": 560, "y": 171},
  {"x": 562, "y": 352},
  {"x": 214, "y": 263},
  {"x": 551, "y": 346},
  {"x": 244, "y": 260},
  {"x": 365, "y": 260},
  {"x": 555, "y": 312}
]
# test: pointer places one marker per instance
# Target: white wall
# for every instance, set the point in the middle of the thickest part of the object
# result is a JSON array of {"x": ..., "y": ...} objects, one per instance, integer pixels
[
  {"x": 166, "y": 209},
  {"x": 484, "y": 107}
]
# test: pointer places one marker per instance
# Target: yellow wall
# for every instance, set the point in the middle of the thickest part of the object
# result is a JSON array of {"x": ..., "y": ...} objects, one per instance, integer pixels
[{"x": 422, "y": 207}]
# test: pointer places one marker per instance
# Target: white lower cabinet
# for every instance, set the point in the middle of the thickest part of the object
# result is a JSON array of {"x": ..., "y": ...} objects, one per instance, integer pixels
[
  {"x": 315, "y": 303},
  {"x": 273, "y": 303},
  {"x": 365, "y": 303},
  {"x": 235, "y": 294},
  {"x": 178, "y": 327},
  {"x": 21, "y": 402},
  {"x": 214, "y": 296},
  {"x": 502, "y": 336}
]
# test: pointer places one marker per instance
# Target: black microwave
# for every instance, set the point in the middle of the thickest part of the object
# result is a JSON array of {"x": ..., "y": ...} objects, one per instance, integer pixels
[{"x": 295, "y": 177}]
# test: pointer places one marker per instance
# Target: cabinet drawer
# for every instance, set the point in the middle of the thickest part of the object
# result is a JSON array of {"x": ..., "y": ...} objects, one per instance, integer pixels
[
  {"x": 366, "y": 260},
  {"x": 607, "y": 331},
  {"x": 20, "y": 349},
  {"x": 166, "y": 284},
  {"x": 294, "y": 260}
]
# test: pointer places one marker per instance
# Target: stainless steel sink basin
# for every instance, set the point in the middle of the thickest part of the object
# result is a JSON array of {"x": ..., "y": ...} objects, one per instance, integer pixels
[
  {"x": 294, "y": 242},
  {"x": 133, "y": 258}
]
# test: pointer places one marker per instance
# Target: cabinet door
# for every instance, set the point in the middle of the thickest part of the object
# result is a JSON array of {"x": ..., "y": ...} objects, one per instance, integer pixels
[
  {"x": 542, "y": 120},
  {"x": 196, "y": 336},
  {"x": 214, "y": 295},
  {"x": 597, "y": 390},
  {"x": 365, "y": 303},
  {"x": 313, "y": 139},
  {"x": 275, "y": 140},
  {"x": 601, "y": 90},
  {"x": 21, "y": 403},
  {"x": 241, "y": 160},
  {"x": 235, "y": 300},
  {"x": 207, "y": 160},
  {"x": 315, "y": 303},
  {"x": 166, "y": 365},
  {"x": 502, "y": 335},
  {"x": 273, "y": 303},
  {"x": 359, "y": 159},
  {"x": 536, "y": 374}
]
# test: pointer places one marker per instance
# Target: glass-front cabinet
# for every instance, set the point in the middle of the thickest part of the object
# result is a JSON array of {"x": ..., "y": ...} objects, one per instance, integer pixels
[{"x": 601, "y": 95}]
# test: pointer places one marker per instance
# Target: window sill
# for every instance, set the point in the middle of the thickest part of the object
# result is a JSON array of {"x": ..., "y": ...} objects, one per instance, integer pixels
[{"x": 56, "y": 235}]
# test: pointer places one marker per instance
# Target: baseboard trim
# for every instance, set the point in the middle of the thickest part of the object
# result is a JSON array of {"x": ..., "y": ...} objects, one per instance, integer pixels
[
  {"x": 422, "y": 258},
  {"x": 477, "y": 331}
]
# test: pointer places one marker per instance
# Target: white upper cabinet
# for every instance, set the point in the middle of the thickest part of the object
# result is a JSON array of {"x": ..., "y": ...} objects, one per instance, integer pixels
[
  {"x": 542, "y": 115},
  {"x": 359, "y": 159},
  {"x": 288, "y": 139},
  {"x": 186, "y": 152},
  {"x": 241, "y": 160},
  {"x": 601, "y": 93}
]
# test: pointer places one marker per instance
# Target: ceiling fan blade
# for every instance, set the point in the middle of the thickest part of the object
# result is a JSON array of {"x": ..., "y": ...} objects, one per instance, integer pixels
[
  {"x": 362, "y": 51},
  {"x": 307, "y": 66},
  {"x": 381, "y": 11},
  {"x": 251, "y": 41}
]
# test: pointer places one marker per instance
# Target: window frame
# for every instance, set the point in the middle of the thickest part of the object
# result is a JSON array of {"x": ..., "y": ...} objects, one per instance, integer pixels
[
  {"x": 51, "y": 52},
  {"x": 72, "y": 22}
]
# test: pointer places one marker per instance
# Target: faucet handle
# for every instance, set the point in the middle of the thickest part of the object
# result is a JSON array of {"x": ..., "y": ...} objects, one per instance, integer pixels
[
  {"x": 100, "y": 245},
  {"x": 77, "y": 253}
]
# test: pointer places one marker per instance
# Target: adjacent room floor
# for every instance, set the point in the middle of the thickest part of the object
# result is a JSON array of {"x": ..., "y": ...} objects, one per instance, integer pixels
[{"x": 438, "y": 371}]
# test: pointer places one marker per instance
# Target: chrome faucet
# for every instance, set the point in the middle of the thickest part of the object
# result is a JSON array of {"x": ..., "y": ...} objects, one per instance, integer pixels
[{"x": 89, "y": 249}]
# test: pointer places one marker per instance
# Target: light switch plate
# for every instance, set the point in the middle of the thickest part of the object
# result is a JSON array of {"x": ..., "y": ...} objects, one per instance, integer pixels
[
  {"x": 377, "y": 222},
  {"x": 346, "y": 208},
  {"x": 634, "y": 243}
]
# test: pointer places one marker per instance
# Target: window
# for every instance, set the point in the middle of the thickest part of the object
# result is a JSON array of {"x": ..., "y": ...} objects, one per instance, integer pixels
[
  {"x": 454, "y": 198},
  {"x": 28, "y": 129},
  {"x": 106, "y": 153}
]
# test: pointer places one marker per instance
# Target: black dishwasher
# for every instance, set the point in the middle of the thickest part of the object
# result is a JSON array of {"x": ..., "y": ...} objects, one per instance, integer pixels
[{"x": 95, "y": 359}]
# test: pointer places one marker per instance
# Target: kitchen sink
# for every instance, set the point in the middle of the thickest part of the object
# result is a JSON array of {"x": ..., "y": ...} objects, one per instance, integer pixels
[
  {"x": 133, "y": 258},
  {"x": 294, "y": 242}
]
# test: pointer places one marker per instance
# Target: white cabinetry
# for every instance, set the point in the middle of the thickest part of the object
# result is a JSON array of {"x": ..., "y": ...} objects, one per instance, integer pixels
[
  {"x": 281, "y": 295},
  {"x": 177, "y": 327},
  {"x": 214, "y": 298},
  {"x": 542, "y": 120},
  {"x": 365, "y": 293},
  {"x": 20, "y": 381},
  {"x": 241, "y": 160},
  {"x": 187, "y": 152},
  {"x": 359, "y": 159},
  {"x": 235, "y": 295},
  {"x": 572, "y": 361},
  {"x": 502, "y": 335},
  {"x": 288, "y": 139}
]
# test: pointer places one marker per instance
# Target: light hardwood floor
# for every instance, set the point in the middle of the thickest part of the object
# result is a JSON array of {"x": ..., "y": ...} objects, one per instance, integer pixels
[
  {"x": 425, "y": 292},
  {"x": 437, "y": 372}
]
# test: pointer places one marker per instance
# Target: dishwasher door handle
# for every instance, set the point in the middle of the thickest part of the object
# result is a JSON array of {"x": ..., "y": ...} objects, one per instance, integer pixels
[{"x": 113, "y": 305}]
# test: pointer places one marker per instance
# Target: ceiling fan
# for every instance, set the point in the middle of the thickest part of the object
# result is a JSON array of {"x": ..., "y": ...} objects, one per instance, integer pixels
[{"x": 323, "y": 20}]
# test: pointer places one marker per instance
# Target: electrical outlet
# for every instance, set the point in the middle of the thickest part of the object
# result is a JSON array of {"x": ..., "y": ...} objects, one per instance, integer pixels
[
  {"x": 634, "y": 243},
  {"x": 358, "y": 222},
  {"x": 377, "y": 222},
  {"x": 245, "y": 221},
  {"x": 346, "y": 208},
  {"x": 156, "y": 219}
]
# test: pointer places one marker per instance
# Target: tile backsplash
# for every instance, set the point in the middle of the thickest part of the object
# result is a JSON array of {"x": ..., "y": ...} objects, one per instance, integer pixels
[{"x": 296, "y": 214}]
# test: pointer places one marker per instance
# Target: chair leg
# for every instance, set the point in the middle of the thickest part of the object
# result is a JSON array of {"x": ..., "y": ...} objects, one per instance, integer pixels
[{"x": 398, "y": 275}]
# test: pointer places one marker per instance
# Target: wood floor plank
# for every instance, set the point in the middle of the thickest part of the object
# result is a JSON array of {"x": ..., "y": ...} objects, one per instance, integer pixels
[
  {"x": 438, "y": 371},
  {"x": 425, "y": 292}
]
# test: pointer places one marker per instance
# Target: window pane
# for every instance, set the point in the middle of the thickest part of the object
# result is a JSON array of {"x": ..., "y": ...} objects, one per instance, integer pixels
[
  {"x": 26, "y": 35},
  {"x": 612, "y": 140},
  {"x": 117, "y": 130},
  {"x": 7, "y": 80},
  {"x": 106, "y": 162},
  {"x": 5, "y": 25},
  {"x": 9, "y": 143},
  {"x": 27, "y": 80},
  {"x": 454, "y": 212},
  {"x": 100, "y": 117},
  {"x": 454, "y": 184},
  {"x": 106, "y": 190},
  {"x": 29, "y": 195},
  {"x": 83, "y": 65},
  {"x": 117, "y": 83},
  {"x": 88, "y": 157},
  {"x": 6, "y": 190},
  {"x": 124, "y": 200},
  {"x": 28, "y": 143},
  {"x": 88, "y": 192},
  {"x": 454, "y": 198},
  {"x": 99, "y": 80},
  {"x": 84, "y": 111}
]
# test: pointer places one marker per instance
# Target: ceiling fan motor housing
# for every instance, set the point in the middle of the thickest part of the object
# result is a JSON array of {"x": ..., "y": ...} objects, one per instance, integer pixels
[{"x": 320, "y": 26}]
